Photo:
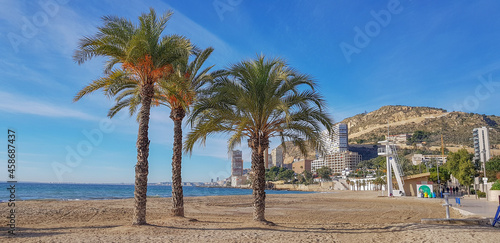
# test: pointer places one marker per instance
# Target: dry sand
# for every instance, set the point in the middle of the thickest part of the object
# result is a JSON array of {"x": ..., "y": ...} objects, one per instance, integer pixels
[{"x": 319, "y": 217}]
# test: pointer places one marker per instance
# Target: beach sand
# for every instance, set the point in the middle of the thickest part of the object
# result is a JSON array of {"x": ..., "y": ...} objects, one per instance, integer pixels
[{"x": 318, "y": 217}]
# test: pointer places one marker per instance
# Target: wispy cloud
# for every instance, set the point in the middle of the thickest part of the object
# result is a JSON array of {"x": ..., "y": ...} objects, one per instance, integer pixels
[
  {"x": 26, "y": 105},
  {"x": 197, "y": 33}
]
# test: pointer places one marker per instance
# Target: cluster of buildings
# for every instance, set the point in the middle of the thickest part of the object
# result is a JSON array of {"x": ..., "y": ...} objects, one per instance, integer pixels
[
  {"x": 482, "y": 153},
  {"x": 335, "y": 155}
]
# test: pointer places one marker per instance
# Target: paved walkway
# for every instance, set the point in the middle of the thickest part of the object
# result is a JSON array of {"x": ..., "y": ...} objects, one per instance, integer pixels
[{"x": 481, "y": 208}]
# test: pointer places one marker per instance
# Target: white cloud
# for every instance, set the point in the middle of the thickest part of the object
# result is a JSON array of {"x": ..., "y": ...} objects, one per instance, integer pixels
[
  {"x": 14, "y": 69},
  {"x": 25, "y": 105}
]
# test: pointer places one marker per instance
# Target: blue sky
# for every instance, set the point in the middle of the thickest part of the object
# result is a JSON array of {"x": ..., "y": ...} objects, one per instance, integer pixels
[{"x": 363, "y": 56}]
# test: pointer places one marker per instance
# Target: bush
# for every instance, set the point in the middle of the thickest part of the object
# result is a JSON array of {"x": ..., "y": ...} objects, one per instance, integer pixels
[
  {"x": 481, "y": 194},
  {"x": 496, "y": 185}
]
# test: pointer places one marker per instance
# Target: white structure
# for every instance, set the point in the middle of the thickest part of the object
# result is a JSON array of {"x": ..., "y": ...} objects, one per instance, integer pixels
[
  {"x": 421, "y": 158},
  {"x": 337, "y": 161},
  {"x": 337, "y": 142},
  {"x": 389, "y": 151},
  {"x": 400, "y": 138},
  {"x": 481, "y": 144},
  {"x": 237, "y": 181},
  {"x": 277, "y": 157},
  {"x": 364, "y": 184}
]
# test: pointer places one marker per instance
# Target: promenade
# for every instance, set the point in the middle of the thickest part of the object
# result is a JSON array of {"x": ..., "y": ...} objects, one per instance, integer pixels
[{"x": 471, "y": 206}]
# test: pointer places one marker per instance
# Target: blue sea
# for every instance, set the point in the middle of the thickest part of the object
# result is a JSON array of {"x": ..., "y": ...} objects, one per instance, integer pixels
[{"x": 48, "y": 191}]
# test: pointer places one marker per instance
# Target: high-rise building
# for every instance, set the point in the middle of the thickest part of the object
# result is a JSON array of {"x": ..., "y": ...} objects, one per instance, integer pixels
[
  {"x": 481, "y": 144},
  {"x": 337, "y": 161},
  {"x": 277, "y": 157},
  {"x": 337, "y": 156},
  {"x": 236, "y": 163},
  {"x": 336, "y": 142},
  {"x": 340, "y": 138}
]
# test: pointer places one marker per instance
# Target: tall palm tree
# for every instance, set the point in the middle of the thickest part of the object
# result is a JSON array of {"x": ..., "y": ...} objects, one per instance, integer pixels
[
  {"x": 178, "y": 91},
  {"x": 260, "y": 99},
  {"x": 145, "y": 58}
]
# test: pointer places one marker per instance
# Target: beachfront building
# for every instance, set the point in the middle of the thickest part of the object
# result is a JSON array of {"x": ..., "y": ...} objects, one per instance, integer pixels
[
  {"x": 337, "y": 161},
  {"x": 336, "y": 142},
  {"x": 277, "y": 157},
  {"x": 481, "y": 140},
  {"x": 301, "y": 165},
  {"x": 236, "y": 168},
  {"x": 428, "y": 159}
]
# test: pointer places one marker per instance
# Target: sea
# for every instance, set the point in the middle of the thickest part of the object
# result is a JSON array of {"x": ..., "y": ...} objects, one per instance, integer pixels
[{"x": 68, "y": 192}]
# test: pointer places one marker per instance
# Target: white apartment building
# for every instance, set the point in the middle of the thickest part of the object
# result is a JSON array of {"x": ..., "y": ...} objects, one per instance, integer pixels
[
  {"x": 337, "y": 161},
  {"x": 481, "y": 140}
]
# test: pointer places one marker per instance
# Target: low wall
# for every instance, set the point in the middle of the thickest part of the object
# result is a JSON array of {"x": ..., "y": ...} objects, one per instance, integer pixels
[
  {"x": 321, "y": 187},
  {"x": 493, "y": 195}
]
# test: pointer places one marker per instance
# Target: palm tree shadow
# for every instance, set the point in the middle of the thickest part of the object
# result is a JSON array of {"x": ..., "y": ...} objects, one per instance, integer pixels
[
  {"x": 24, "y": 232},
  {"x": 326, "y": 230}
]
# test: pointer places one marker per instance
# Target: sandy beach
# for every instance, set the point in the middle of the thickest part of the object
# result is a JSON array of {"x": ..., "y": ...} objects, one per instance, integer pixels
[{"x": 318, "y": 217}]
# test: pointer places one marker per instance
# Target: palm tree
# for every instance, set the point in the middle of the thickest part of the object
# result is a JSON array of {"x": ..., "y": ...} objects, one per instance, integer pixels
[
  {"x": 260, "y": 99},
  {"x": 145, "y": 58},
  {"x": 178, "y": 92}
]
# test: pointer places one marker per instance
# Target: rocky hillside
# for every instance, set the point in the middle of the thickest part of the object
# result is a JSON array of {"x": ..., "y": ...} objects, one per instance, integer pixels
[
  {"x": 456, "y": 127},
  {"x": 293, "y": 152}
]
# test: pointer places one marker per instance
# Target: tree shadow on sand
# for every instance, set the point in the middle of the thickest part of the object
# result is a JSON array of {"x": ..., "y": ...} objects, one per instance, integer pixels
[
  {"x": 334, "y": 228},
  {"x": 24, "y": 232}
]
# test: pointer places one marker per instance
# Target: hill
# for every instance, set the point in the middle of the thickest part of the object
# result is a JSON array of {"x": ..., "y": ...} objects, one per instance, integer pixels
[
  {"x": 293, "y": 152},
  {"x": 456, "y": 127}
]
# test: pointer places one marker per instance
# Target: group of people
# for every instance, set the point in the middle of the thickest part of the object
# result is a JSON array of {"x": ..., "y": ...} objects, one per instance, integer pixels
[{"x": 451, "y": 190}]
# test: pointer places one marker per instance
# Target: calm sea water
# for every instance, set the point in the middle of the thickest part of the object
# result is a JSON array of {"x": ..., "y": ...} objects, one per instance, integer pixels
[{"x": 31, "y": 191}]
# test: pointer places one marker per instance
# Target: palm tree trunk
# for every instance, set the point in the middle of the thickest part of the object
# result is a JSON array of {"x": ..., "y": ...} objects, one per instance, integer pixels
[
  {"x": 177, "y": 114},
  {"x": 142, "y": 167},
  {"x": 259, "y": 180}
]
